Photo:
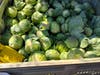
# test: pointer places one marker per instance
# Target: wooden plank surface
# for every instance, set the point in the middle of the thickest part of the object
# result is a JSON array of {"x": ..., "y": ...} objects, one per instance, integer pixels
[{"x": 49, "y": 63}]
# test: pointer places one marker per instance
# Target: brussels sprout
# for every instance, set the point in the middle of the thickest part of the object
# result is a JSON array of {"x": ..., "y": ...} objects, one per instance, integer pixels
[
  {"x": 40, "y": 34},
  {"x": 33, "y": 36},
  {"x": 61, "y": 46},
  {"x": 74, "y": 3},
  {"x": 52, "y": 54},
  {"x": 16, "y": 42},
  {"x": 12, "y": 12},
  {"x": 78, "y": 8},
  {"x": 88, "y": 8},
  {"x": 21, "y": 28},
  {"x": 84, "y": 16},
  {"x": 95, "y": 43},
  {"x": 63, "y": 56},
  {"x": 37, "y": 17},
  {"x": 28, "y": 9},
  {"x": 23, "y": 52},
  {"x": 57, "y": 4},
  {"x": 25, "y": 25},
  {"x": 65, "y": 3},
  {"x": 90, "y": 54},
  {"x": 5, "y": 37},
  {"x": 66, "y": 13},
  {"x": 86, "y": 5},
  {"x": 14, "y": 21},
  {"x": 44, "y": 6},
  {"x": 10, "y": 22},
  {"x": 97, "y": 31},
  {"x": 50, "y": 1},
  {"x": 44, "y": 25},
  {"x": 64, "y": 27},
  {"x": 33, "y": 29},
  {"x": 37, "y": 56},
  {"x": 21, "y": 15},
  {"x": 15, "y": 29},
  {"x": 33, "y": 2},
  {"x": 32, "y": 45},
  {"x": 45, "y": 42},
  {"x": 94, "y": 40},
  {"x": 46, "y": 33},
  {"x": 75, "y": 53},
  {"x": 19, "y": 4},
  {"x": 54, "y": 27},
  {"x": 60, "y": 36},
  {"x": 38, "y": 6},
  {"x": 71, "y": 42},
  {"x": 57, "y": 12},
  {"x": 88, "y": 31},
  {"x": 60, "y": 20},
  {"x": 84, "y": 43},
  {"x": 75, "y": 25},
  {"x": 25, "y": 37},
  {"x": 50, "y": 12},
  {"x": 50, "y": 19}
]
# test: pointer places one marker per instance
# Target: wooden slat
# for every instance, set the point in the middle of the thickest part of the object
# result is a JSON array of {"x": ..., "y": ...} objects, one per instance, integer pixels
[{"x": 49, "y": 63}]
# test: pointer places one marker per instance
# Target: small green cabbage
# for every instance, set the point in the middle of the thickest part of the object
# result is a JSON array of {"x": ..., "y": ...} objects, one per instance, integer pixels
[
  {"x": 16, "y": 42},
  {"x": 40, "y": 34},
  {"x": 71, "y": 42},
  {"x": 23, "y": 52},
  {"x": 15, "y": 29},
  {"x": 54, "y": 27},
  {"x": 95, "y": 43},
  {"x": 28, "y": 9},
  {"x": 52, "y": 54},
  {"x": 60, "y": 19},
  {"x": 84, "y": 42},
  {"x": 60, "y": 36},
  {"x": 32, "y": 36},
  {"x": 21, "y": 15},
  {"x": 5, "y": 37},
  {"x": 61, "y": 46},
  {"x": 90, "y": 54},
  {"x": 32, "y": 45},
  {"x": 78, "y": 8},
  {"x": 10, "y": 22},
  {"x": 75, "y": 25},
  {"x": 63, "y": 56},
  {"x": 19, "y": 4},
  {"x": 12, "y": 12},
  {"x": 37, "y": 56},
  {"x": 25, "y": 25},
  {"x": 45, "y": 42},
  {"x": 37, "y": 17},
  {"x": 57, "y": 12},
  {"x": 66, "y": 13},
  {"x": 88, "y": 31},
  {"x": 97, "y": 31},
  {"x": 75, "y": 53},
  {"x": 50, "y": 12},
  {"x": 33, "y": 2},
  {"x": 42, "y": 6},
  {"x": 64, "y": 27},
  {"x": 33, "y": 29}
]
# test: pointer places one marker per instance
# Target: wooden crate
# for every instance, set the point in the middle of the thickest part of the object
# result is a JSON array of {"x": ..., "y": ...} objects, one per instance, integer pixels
[{"x": 58, "y": 67}]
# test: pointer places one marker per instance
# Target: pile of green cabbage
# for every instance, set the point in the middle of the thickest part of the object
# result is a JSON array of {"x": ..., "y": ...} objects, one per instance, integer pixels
[{"x": 52, "y": 29}]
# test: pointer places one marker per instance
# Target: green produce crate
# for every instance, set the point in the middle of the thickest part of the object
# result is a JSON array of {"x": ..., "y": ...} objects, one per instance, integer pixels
[{"x": 86, "y": 66}]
